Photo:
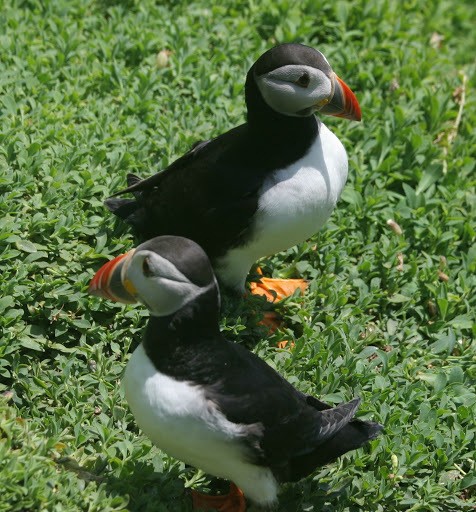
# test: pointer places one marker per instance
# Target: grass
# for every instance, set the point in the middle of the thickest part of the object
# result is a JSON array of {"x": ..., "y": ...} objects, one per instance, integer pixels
[{"x": 390, "y": 315}]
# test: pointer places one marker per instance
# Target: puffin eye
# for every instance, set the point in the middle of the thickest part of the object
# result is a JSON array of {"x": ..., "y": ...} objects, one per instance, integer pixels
[
  {"x": 146, "y": 268},
  {"x": 303, "y": 80}
]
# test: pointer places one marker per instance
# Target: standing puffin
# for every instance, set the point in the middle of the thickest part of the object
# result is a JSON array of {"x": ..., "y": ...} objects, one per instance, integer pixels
[
  {"x": 263, "y": 186},
  {"x": 209, "y": 402}
]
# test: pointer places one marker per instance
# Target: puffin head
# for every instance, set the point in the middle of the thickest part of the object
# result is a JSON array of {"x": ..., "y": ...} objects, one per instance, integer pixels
[
  {"x": 296, "y": 80},
  {"x": 165, "y": 273}
]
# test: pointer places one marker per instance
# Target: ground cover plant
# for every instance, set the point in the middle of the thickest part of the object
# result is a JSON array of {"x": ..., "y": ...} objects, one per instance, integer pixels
[{"x": 88, "y": 93}]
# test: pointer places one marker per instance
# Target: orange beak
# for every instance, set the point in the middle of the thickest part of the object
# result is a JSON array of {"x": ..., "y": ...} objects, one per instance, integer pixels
[
  {"x": 109, "y": 282},
  {"x": 343, "y": 102}
]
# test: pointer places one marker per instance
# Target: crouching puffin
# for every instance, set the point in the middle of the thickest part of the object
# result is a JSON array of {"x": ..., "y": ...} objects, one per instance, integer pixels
[
  {"x": 209, "y": 402},
  {"x": 263, "y": 186}
]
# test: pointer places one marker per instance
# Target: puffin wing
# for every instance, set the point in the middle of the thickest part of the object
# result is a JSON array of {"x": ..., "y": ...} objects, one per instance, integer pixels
[
  {"x": 247, "y": 390},
  {"x": 289, "y": 431},
  {"x": 289, "y": 424},
  {"x": 209, "y": 195},
  {"x": 136, "y": 186}
]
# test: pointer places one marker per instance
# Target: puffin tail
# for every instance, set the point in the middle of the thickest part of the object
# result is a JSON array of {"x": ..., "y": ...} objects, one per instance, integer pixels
[
  {"x": 354, "y": 435},
  {"x": 123, "y": 208},
  {"x": 339, "y": 433},
  {"x": 126, "y": 209}
]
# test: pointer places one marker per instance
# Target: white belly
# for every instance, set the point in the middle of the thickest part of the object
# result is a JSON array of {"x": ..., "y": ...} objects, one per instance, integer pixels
[
  {"x": 177, "y": 418},
  {"x": 295, "y": 203}
]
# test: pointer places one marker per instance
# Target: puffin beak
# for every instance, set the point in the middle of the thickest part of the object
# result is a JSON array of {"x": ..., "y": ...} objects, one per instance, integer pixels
[
  {"x": 343, "y": 102},
  {"x": 110, "y": 282}
]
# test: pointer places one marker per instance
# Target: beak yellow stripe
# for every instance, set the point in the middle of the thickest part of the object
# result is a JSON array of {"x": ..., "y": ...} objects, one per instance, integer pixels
[{"x": 131, "y": 289}]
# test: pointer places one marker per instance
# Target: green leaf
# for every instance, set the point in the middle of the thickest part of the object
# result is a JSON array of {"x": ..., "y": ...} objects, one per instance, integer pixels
[
  {"x": 468, "y": 481},
  {"x": 442, "y": 306},
  {"x": 456, "y": 375},
  {"x": 352, "y": 197},
  {"x": 392, "y": 326},
  {"x": 6, "y": 302},
  {"x": 31, "y": 343},
  {"x": 437, "y": 380},
  {"x": 430, "y": 176},
  {"x": 61, "y": 348},
  {"x": 26, "y": 246},
  {"x": 444, "y": 343},
  {"x": 101, "y": 242},
  {"x": 9, "y": 104},
  {"x": 398, "y": 298},
  {"x": 462, "y": 322}
]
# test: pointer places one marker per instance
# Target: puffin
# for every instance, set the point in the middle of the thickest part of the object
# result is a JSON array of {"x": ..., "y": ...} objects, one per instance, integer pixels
[
  {"x": 263, "y": 186},
  {"x": 210, "y": 402}
]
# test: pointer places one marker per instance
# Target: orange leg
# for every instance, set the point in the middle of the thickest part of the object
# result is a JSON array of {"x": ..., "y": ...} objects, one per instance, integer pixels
[
  {"x": 276, "y": 290},
  {"x": 234, "y": 501}
]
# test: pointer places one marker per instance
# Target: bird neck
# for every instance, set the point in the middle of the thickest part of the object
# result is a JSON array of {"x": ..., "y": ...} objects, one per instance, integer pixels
[
  {"x": 169, "y": 338},
  {"x": 279, "y": 128}
]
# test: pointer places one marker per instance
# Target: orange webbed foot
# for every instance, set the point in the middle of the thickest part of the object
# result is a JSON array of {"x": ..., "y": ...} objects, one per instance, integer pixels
[
  {"x": 277, "y": 289},
  {"x": 234, "y": 501}
]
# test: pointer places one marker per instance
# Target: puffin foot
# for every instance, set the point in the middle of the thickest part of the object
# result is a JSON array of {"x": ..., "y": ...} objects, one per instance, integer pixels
[
  {"x": 277, "y": 289},
  {"x": 285, "y": 344},
  {"x": 273, "y": 321},
  {"x": 234, "y": 501}
]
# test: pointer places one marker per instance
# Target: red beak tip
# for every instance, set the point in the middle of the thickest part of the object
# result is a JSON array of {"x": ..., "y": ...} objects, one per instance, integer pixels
[{"x": 100, "y": 283}]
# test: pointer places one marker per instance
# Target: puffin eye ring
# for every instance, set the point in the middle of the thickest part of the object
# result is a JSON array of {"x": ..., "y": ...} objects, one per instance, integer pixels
[{"x": 303, "y": 80}]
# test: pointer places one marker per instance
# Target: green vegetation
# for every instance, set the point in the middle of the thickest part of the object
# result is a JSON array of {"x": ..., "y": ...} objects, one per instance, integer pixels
[{"x": 389, "y": 317}]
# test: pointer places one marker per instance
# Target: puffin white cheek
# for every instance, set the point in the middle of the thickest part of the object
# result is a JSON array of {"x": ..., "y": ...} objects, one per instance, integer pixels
[
  {"x": 281, "y": 97},
  {"x": 170, "y": 296},
  {"x": 290, "y": 99}
]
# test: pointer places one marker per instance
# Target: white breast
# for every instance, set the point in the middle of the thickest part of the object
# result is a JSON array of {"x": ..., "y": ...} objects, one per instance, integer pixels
[
  {"x": 295, "y": 202},
  {"x": 178, "y": 418}
]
